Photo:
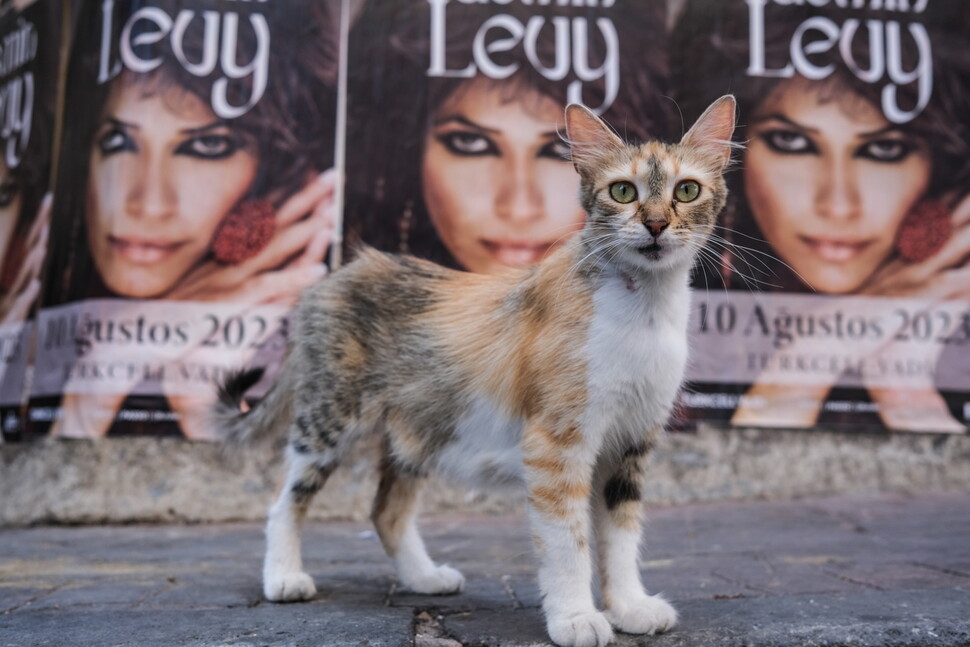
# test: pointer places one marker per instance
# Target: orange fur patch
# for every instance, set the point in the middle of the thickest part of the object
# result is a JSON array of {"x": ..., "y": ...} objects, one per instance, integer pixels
[
  {"x": 519, "y": 351},
  {"x": 558, "y": 500},
  {"x": 545, "y": 463}
]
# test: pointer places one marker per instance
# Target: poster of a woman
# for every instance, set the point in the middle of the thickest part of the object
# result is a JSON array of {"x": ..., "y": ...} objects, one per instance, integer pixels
[
  {"x": 30, "y": 33},
  {"x": 455, "y": 120},
  {"x": 847, "y": 245},
  {"x": 193, "y": 205}
]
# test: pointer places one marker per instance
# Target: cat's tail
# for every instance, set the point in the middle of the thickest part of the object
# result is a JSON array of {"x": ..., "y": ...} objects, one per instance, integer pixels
[{"x": 270, "y": 417}]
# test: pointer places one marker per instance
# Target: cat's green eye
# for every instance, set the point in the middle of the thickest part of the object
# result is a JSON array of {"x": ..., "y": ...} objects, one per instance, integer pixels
[
  {"x": 623, "y": 192},
  {"x": 687, "y": 191}
]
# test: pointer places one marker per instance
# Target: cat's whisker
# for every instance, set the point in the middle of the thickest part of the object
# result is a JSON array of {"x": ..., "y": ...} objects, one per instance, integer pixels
[
  {"x": 742, "y": 254},
  {"x": 708, "y": 258},
  {"x": 704, "y": 257},
  {"x": 717, "y": 262},
  {"x": 568, "y": 232},
  {"x": 766, "y": 254},
  {"x": 725, "y": 243},
  {"x": 754, "y": 264},
  {"x": 590, "y": 241},
  {"x": 751, "y": 281}
]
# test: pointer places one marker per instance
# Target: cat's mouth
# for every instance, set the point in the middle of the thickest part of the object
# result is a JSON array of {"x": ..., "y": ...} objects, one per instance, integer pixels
[{"x": 652, "y": 251}]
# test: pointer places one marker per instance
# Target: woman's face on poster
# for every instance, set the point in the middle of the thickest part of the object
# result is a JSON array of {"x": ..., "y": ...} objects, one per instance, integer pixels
[
  {"x": 164, "y": 172},
  {"x": 828, "y": 180},
  {"x": 496, "y": 181}
]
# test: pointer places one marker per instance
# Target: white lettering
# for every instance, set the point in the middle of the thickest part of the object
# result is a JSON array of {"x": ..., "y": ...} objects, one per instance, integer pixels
[
  {"x": 16, "y": 117},
  {"x": 800, "y": 50},
  {"x": 437, "y": 66},
  {"x": 922, "y": 73},
  {"x": 211, "y": 37},
  {"x": 756, "y": 43},
  {"x": 560, "y": 68},
  {"x": 481, "y": 50},
  {"x": 258, "y": 66},
  {"x": 504, "y": 33},
  {"x": 106, "y": 71},
  {"x": 609, "y": 70},
  {"x": 217, "y": 27},
  {"x": 819, "y": 35},
  {"x": 164, "y": 24},
  {"x": 877, "y": 65},
  {"x": 17, "y": 50}
]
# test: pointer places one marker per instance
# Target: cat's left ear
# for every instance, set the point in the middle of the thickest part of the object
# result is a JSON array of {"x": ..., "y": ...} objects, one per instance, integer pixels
[
  {"x": 712, "y": 132},
  {"x": 590, "y": 139}
]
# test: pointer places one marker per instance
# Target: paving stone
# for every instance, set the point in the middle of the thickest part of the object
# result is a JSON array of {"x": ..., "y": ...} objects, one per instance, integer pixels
[{"x": 864, "y": 571}]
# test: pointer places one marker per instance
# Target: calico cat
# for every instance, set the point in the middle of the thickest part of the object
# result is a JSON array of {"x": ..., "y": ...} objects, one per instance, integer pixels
[{"x": 559, "y": 377}]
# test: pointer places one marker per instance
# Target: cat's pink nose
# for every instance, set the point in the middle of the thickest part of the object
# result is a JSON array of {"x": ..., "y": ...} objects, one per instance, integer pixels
[{"x": 655, "y": 227}]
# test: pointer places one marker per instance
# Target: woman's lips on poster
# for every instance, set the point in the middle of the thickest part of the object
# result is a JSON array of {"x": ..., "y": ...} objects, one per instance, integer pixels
[
  {"x": 836, "y": 250},
  {"x": 143, "y": 251},
  {"x": 516, "y": 253}
]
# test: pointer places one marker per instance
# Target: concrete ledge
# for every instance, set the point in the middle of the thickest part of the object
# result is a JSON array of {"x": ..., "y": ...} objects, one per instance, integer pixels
[{"x": 122, "y": 480}]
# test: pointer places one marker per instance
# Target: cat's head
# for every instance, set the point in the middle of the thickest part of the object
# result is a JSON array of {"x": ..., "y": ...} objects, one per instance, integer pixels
[{"x": 653, "y": 205}]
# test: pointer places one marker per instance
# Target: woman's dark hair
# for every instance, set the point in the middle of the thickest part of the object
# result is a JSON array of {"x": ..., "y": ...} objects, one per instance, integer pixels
[
  {"x": 290, "y": 128},
  {"x": 392, "y": 101},
  {"x": 710, "y": 56}
]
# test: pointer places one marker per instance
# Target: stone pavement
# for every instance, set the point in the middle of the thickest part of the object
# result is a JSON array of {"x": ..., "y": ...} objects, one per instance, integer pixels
[{"x": 886, "y": 570}]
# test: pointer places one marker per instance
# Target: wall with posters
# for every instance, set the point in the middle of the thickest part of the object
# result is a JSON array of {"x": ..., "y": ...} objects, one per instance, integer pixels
[
  {"x": 837, "y": 292},
  {"x": 196, "y": 193}
]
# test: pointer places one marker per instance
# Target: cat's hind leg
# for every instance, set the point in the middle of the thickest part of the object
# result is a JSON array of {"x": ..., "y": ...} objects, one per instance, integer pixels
[
  {"x": 618, "y": 513},
  {"x": 395, "y": 518},
  {"x": 284, "y": 579}
]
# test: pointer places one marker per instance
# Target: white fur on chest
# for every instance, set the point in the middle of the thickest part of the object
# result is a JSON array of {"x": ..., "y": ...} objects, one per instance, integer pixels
[
  {"x": 487, "y": 448},
  {"x": 636, "y": 352}
]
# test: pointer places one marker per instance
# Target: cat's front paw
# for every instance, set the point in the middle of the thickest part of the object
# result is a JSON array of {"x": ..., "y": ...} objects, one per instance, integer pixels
[
  {"x": 289, "y": 587},
  {"x": 441, "y": 580},
  {"x": 584, "y": 629},
  {"x": 644, "y": 614}
]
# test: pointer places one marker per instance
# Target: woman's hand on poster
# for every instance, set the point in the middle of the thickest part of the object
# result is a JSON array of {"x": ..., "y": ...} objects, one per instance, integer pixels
[
  {"x": 17, "y": 303},
  {"x": 277, "y": 275},
  {"x": 941, "y": 281},
  {"x": 290, "y": 262},
  {"x": 943, "y": 276}
]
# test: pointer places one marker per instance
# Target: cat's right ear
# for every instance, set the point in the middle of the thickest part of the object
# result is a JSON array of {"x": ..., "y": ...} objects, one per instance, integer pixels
[
  {"x": 713, "y": 130},
  {"x": 590, "y": 139}
]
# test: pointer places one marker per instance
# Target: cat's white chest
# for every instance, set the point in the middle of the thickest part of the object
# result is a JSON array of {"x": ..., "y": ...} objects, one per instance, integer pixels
[
  {"x": 486, "y": 450},
  {"x": 636, "y": 354}
]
